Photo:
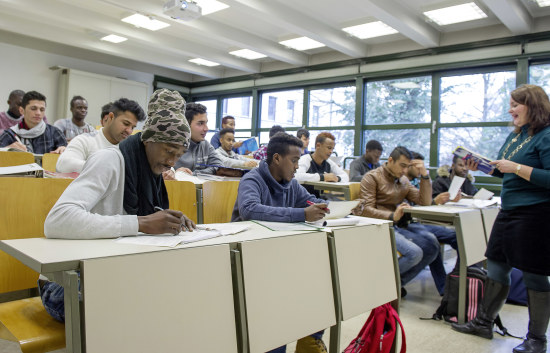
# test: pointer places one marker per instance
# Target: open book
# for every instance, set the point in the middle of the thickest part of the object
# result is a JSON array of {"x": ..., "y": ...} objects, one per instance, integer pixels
[
  {"x": 249, "y": 145},
  {"x": 466, "y": 154}
]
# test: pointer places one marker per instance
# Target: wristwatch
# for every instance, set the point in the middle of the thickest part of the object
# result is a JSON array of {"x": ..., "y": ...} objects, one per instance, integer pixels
[
  {"x": 425, "y": 177},
  {"x": 518, "y": 168}
]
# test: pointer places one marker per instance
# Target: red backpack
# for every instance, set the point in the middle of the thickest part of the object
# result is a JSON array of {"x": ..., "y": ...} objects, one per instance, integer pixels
[{"x": 378, "y": 333}]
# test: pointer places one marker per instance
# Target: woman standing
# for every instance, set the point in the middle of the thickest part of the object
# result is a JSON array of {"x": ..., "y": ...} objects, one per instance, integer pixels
[{"x": 521, "y": 233}]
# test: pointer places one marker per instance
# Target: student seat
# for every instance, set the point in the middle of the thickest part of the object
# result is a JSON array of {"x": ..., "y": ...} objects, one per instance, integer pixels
[
  {"x": 355, "y": 191},
  {"x": 11, "y": 158},
  {"x": 27, "y": 202},
  {"x": 182, "y": 196},
  {"x": 218, "y": 200},
  {"x": 49, "y": 161}
]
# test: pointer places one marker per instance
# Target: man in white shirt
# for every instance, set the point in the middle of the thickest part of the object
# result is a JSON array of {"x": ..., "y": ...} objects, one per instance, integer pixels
[
  {"x": 119, "y": 123},
  {"x": 316, "y": 166},
  {"x": 229, "y": 157},
  {"x": 76, "y": 125}
]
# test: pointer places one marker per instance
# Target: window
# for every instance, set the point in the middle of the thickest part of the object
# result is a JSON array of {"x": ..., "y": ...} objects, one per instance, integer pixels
[
  {"x": 211, "y": 109},
  {"x": 276, "y": 108},
  {"x": 239, "y": 108},
  {"x": 332, "y": 107},
  {"x": 400, "y": 101},
  {"x": 417, "y": 140},
  {"x": 343, "y": 144},
  {"x": 540, "y": 75}
]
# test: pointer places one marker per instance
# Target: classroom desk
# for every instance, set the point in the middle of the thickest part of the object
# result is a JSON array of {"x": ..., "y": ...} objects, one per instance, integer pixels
[
  {"x": 342, "y": 187},
  {"x": 470, "y": 234}
]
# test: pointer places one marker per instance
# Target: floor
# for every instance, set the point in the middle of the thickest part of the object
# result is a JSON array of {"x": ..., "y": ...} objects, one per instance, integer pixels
[{"x": 422, "y": 336}]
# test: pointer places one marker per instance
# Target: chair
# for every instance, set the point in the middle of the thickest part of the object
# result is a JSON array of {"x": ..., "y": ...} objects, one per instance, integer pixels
[
  {"x": 218, "y": 200},
  {"x": 22, "y": 215},
  {"x": 49, "y": 161},
  {"x": 354, "y": 191},
  {"x": 182, "y": 196},
  {"x": 11, "y": 158}
]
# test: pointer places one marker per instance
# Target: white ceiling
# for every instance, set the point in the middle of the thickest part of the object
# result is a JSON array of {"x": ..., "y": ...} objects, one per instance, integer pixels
[{"x": 259, "y": 25}]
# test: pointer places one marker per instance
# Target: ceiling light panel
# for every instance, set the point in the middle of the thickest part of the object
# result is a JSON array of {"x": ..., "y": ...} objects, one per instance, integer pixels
[
  {"x": 210, "y": 6},
  {"x": 142, "y": 21},
  {"x": 247, "y": 54},
  {"x": 543, "y": 3},
  {"x": 203, "y": 62},
  {"x": 302, "y": 43},
  {"x": 113, "y": 38},
  {"x": 370, "y": 30},
  {"x": 455, "y": 14}
]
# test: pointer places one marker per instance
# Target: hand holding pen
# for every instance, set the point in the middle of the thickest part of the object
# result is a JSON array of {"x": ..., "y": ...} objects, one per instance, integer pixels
[
  {"x": 315, "y": 211},
  {"x": 165, "y": 221}
]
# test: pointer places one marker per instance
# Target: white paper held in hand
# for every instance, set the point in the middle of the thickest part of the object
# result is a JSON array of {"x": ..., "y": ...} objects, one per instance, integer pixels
[{"x": 454, "y": 189}]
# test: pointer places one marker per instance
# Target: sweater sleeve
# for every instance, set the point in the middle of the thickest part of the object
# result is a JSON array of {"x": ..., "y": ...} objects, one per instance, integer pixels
[
  {"x": 355, "y": 173},
  {"x": 71, "y": 216},
  {"x": 303, "y": 166},
  {"x": 251, "y": 208},
  {"x": 541, "y": 176},
  {"x": 74, "y": 156}
]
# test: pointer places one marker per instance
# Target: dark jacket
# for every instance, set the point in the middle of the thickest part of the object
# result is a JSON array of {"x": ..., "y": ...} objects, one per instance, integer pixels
[{"x": 443, "y": 181}]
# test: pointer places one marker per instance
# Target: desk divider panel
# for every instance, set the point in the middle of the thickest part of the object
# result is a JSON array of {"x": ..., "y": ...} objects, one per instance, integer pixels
[
  {"x": 365, "y": 268},
  {"x": 179, "y": 300},
  {"x": 489, "y": 216},
  {"x": 473, "y": 235},
  {"x": 287, "y": 288}
]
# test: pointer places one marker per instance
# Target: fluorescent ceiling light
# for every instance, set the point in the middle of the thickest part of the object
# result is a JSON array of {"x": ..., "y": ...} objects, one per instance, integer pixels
[
  {"x": 455, "y": 14},
  {"x": 139, "y": 20},
  {"x": 210, "y": 6},
  {"x": 302, "y": 43},
  {"x": 405, "y": 85},
  {"x": 113, "y": 38},
  {"x": 370, "y": 30},
  {"x": 543, "y": 3},
  {"x": 247, "y": 54},
  {"x": 203, "y": 62}
]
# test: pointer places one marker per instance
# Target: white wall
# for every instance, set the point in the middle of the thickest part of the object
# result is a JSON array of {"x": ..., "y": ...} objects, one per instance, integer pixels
[{"x": 28, "y": 69}]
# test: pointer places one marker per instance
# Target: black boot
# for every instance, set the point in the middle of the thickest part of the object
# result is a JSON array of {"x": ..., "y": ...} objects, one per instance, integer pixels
[
  {"x": 494, "y": 297},
  {"x": 539, "y": 312}
]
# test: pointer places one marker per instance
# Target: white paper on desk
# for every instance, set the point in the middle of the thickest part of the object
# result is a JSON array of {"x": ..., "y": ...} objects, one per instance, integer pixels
[
  {"x": 363, "y": 221},
  {"x": 225, "y": 228},
  {"x": 340, "y": 209},
  {"x": 483, "y": 194},
  {"x": 16, "y": 169},
  {"x": 455, "y": 186},
  {"x": 473, "y": 203},
  {"x": 283, "y": 226},
  {"x": 169, "y": 240},
  {"x": 182, "y": 176}
]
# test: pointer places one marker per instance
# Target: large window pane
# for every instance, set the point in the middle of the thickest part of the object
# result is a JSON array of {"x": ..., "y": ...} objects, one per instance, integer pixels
[
  {"x": 486, "y": 141},
  {"x": 399, "y": 101},
  {"x": 417, "y": 140},
  {"x": 476, "y": 98},
  {"x": 241, "y": 109},
  {"x": 211, "y": 108},
  {"x": 540, "y": 75},
  {"x": 344, "y": 141},
  {"x": 283, "y": 108},
  {"x": 332, "y": 106}
]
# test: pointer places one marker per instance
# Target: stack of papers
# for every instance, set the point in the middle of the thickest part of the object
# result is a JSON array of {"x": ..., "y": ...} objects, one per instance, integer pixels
[{"x": 24, "y": 169}]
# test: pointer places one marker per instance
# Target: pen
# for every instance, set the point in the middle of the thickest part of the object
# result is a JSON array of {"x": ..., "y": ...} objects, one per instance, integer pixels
[
  {"x": 313, "y": 203},
  {"x": 156, "y": 208}
]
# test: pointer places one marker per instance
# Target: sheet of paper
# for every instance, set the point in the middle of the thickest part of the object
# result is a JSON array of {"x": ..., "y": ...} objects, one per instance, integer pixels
[
  {"x": 169, "y": 240},
  {"x": 472, "y": 203},
  {"x": 224, "y": 228},
  {"x": 182, "y": 176},
  {"x": 454, "y": 189},
  {"x": 340, "y": 209},
  {"x": 16, "y": 169},
  {"x": 283, "y": 226},
  {"x": 483, "y": 194}
]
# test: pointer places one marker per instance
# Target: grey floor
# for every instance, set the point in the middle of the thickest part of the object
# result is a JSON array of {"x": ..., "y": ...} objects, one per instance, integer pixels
[{"x": 422, "y": 336}]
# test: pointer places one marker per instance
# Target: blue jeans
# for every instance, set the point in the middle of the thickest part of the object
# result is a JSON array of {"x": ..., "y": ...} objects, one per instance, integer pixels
[
  {"x": 446, "y": 236},
  {"x": 424, "y": 240},
  {"x": 53, "y": 299},
  {"x": 282, "y": 349}
]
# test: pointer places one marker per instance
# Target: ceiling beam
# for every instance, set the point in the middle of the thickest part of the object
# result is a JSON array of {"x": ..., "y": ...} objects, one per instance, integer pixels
[
  {"x": 301, "y": 23},
  {"x": 393, "y": 14},
  {"x": 512, "y": 14}
]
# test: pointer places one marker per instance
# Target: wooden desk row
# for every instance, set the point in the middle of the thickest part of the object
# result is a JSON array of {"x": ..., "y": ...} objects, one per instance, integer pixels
[{"x": 249, "y": 292}]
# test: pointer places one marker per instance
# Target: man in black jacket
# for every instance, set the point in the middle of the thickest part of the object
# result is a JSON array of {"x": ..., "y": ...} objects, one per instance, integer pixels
[{"x": 445, "y": 177}]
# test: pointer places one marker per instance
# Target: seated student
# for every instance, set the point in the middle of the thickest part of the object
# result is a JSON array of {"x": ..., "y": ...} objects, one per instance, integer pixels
[
  {"x": 229, "y": 157},
  {"x": 97, "y": 198},
  {"x": 200, "y": 156},
  {"x": 369, "y": 161},
  {"x": 303, "y": 135},
  {"x": 270, "y": 193},
  {"x": 119, "y": 124},
  {"x": 13, "y": 116},
  {"x": 445, "y": 177},
  {"x": 261, "y": 153},
  {"x": 443, "y": 234},
  {"x": 74, "y": 126},
  {"x": 383, "y": 192},
  {"x": 228, "y": 122},
  {"x": 105, "y": 110},
  {"x": 32, "y": 134}
]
